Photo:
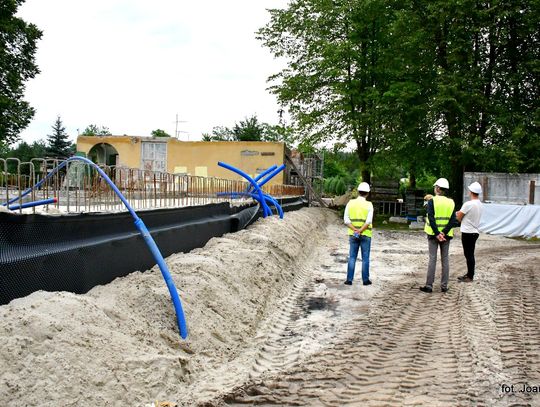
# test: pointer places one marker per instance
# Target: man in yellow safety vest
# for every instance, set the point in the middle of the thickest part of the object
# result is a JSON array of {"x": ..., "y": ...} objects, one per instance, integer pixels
[
  {"x": 441, "y": 220},
  {"x": 358, "y": 217}
]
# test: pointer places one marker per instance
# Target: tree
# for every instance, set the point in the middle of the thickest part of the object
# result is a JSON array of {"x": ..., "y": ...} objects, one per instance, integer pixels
[
  {"x": 25, "y": 152},
  {"x": 58, "y": 144},
  {"x": 219, "y": 133},
  {"x": 335, "y": 76},
  {"x": 484, "y": 88},
  {"x": 17, "y": 48},
  {"x": 278, "y": 133},
  {"x": 249, "y": 129},
  {"x": 95, "y": 130},
  {"x": 159, "y": 133}
]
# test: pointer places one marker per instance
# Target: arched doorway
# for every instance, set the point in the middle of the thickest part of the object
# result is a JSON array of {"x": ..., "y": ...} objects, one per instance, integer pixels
[{"x": 104, "y": 154}]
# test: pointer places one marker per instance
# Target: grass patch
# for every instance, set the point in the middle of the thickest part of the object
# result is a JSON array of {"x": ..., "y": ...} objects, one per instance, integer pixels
[
  {"x": 534, "y": 240},
  {"x": 379, "y": 223}
]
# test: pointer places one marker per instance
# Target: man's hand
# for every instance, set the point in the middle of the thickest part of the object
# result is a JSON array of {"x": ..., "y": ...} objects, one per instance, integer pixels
[{"x": 441, "y": 237}]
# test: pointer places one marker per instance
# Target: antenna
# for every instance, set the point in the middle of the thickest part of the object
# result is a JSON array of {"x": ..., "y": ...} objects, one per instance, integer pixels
[{"x": 176, "y": 131}]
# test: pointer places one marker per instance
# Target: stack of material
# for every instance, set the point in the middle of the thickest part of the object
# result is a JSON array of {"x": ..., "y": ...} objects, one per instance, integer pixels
[
  {"x": 414, "y": 201},
  {"x": 384, "y": 190}
]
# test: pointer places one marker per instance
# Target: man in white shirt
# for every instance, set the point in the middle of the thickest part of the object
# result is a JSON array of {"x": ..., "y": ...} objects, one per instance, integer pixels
[
  {"x": 469, "y": 215},
  {"x": 358, "y": 217}
]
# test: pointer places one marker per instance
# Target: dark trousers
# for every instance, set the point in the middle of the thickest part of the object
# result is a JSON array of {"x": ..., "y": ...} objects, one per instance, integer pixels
[{"x": 469, "y": 242}]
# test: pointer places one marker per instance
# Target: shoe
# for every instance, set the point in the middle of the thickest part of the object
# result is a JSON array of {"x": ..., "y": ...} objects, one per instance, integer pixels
[
  {"x": 444, "y": 289},
  {"x": 367, "y": 282},
  {"x": 426, "y": 289},
  {"x": 465, "y": 279},
  {"x": 348, "y": 282}
]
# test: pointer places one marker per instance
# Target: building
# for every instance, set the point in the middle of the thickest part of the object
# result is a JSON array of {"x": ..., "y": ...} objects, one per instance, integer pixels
[{"x": 197, "y": 158}]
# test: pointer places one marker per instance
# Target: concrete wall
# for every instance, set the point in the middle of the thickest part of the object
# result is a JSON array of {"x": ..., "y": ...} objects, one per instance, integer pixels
[
  {"x": 504, "y": 188},
  {"x": 196, "y": 157}
]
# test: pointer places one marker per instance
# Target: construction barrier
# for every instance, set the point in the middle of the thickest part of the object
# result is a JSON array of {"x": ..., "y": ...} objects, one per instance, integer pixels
[{"x": 77, "y": 252}]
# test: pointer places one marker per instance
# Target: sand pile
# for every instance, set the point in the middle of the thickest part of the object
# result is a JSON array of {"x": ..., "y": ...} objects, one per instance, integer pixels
[{"x": 119, "y": 344}]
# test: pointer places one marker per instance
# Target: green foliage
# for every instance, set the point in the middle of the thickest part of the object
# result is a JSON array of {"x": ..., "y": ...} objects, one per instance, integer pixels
[
  {"x": 17, "y": 49},
  {"x": 419, "y": 87},
  {"x": 249, "y": 129},
  {"x": 335, "y": 77},
  {"x": 95, "y": 130},
  {"x": 278, "y": 133},
  {"x": 340, "y": 187},
  {"x": 58, "y": 145},
  {"x": 219, "y": 133},
  {"x": 159, "y": 133},
  {"x": 24, "y": 152}
]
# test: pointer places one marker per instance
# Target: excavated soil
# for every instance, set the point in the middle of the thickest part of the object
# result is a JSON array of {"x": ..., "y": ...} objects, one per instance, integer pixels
[{"x": 272, "y": 324}]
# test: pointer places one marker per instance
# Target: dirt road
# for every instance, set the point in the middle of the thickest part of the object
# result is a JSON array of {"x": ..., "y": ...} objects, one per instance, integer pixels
[{"x": 392, "y": 345}]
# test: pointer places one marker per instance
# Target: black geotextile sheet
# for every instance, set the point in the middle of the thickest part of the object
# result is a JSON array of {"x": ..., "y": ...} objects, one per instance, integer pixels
[{"x": 77, "y": 252}]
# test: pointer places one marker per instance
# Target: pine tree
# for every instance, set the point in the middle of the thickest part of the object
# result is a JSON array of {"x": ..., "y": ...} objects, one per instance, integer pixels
[{"x": 58, "y": 144}]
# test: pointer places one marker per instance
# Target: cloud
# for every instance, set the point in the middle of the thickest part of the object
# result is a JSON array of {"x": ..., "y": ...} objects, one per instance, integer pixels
[{"x": 133, "y": 65}]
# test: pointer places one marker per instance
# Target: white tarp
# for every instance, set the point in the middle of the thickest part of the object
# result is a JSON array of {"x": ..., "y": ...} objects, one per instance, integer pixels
[{"x": 511, "y": 220}]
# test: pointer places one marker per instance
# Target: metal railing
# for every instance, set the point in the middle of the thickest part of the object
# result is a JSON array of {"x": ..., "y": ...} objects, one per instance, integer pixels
[{"x": 78, "y": 188}]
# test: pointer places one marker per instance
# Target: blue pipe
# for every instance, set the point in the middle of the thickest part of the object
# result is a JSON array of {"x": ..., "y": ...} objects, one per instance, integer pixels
[
  {"x": 272, "y": 200},
  {"x": 180, "y": 318},
  {"x": 271, "y": 175},
  {"x": 266, "y": 210},
  {"x": 262, "y": 174},
  {"x": 276, "y": 205},
  {"x": 40, "y": 183},
  {"x": 32, "y": 204},
  {"x": 139, "y": 224}
]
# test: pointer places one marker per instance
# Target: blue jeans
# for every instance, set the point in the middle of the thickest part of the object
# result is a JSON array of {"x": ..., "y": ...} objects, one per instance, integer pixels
[{"x": 364, "y": 244}]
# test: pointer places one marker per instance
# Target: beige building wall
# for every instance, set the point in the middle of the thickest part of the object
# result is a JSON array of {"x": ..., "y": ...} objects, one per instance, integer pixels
[
  {"x": 201, "y": 157},
  {"x": 196, "y": 157},
  {"x": 128, "y": 148}
]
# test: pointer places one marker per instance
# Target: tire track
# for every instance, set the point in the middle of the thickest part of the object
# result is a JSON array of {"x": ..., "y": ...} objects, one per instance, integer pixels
[{"x": 416, "y": 349}]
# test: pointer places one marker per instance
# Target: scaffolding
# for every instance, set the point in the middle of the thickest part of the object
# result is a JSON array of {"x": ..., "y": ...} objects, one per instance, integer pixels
[{"x": 307, "y": 170}]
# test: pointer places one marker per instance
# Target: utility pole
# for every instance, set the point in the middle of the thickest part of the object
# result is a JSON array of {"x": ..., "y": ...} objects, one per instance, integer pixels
[{"x": 176, "y": 131}]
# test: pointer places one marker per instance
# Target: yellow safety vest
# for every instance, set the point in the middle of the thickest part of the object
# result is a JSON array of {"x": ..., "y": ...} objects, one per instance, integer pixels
[
  {"x": 444, "y": 207},
  {"x": 358, "y": 212}
]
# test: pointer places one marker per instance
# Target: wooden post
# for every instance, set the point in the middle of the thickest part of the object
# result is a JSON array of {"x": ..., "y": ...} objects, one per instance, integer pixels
[
  {"x": 485, "y": 185},
  {"x": 532, "y": 185}
]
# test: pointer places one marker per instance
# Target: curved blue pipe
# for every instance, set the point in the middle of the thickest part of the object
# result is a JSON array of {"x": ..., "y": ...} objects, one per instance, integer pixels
[
  {"x": 262, "y": 174},
  {"x": 266, "y": 210},
  {"x": 33, "y": 203},
  {"x": 40, "y": 183},
  {"x": 269, "y": 198},
  {"x": 271, "y": 175},
  {"x": 139, "y": 224},
  {"x": 276, "y": 205}
]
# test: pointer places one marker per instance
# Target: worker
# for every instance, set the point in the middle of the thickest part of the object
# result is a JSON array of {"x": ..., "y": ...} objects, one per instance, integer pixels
[
  {"x": 358, "y": 217},
  {"x": 469, "y": 216},
  {"x": 441, "y": 220}
]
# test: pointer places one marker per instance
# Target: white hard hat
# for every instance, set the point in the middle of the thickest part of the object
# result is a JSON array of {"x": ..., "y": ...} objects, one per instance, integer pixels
[
  {"x": 363, "y": 187},
  {"x": 475, "y": 187},
  {"x": 442, "y": 183}
]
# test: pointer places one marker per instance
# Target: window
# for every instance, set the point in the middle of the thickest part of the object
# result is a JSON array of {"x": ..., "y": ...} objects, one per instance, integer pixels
[{"x": 154, "y": 156}]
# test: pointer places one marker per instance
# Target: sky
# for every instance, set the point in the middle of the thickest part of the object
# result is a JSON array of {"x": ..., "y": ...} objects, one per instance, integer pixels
[{"x": 134, "y": 65}]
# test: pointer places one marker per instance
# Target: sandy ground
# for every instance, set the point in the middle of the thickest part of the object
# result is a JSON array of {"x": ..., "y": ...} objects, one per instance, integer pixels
[{"x": 271, "y": 323}]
